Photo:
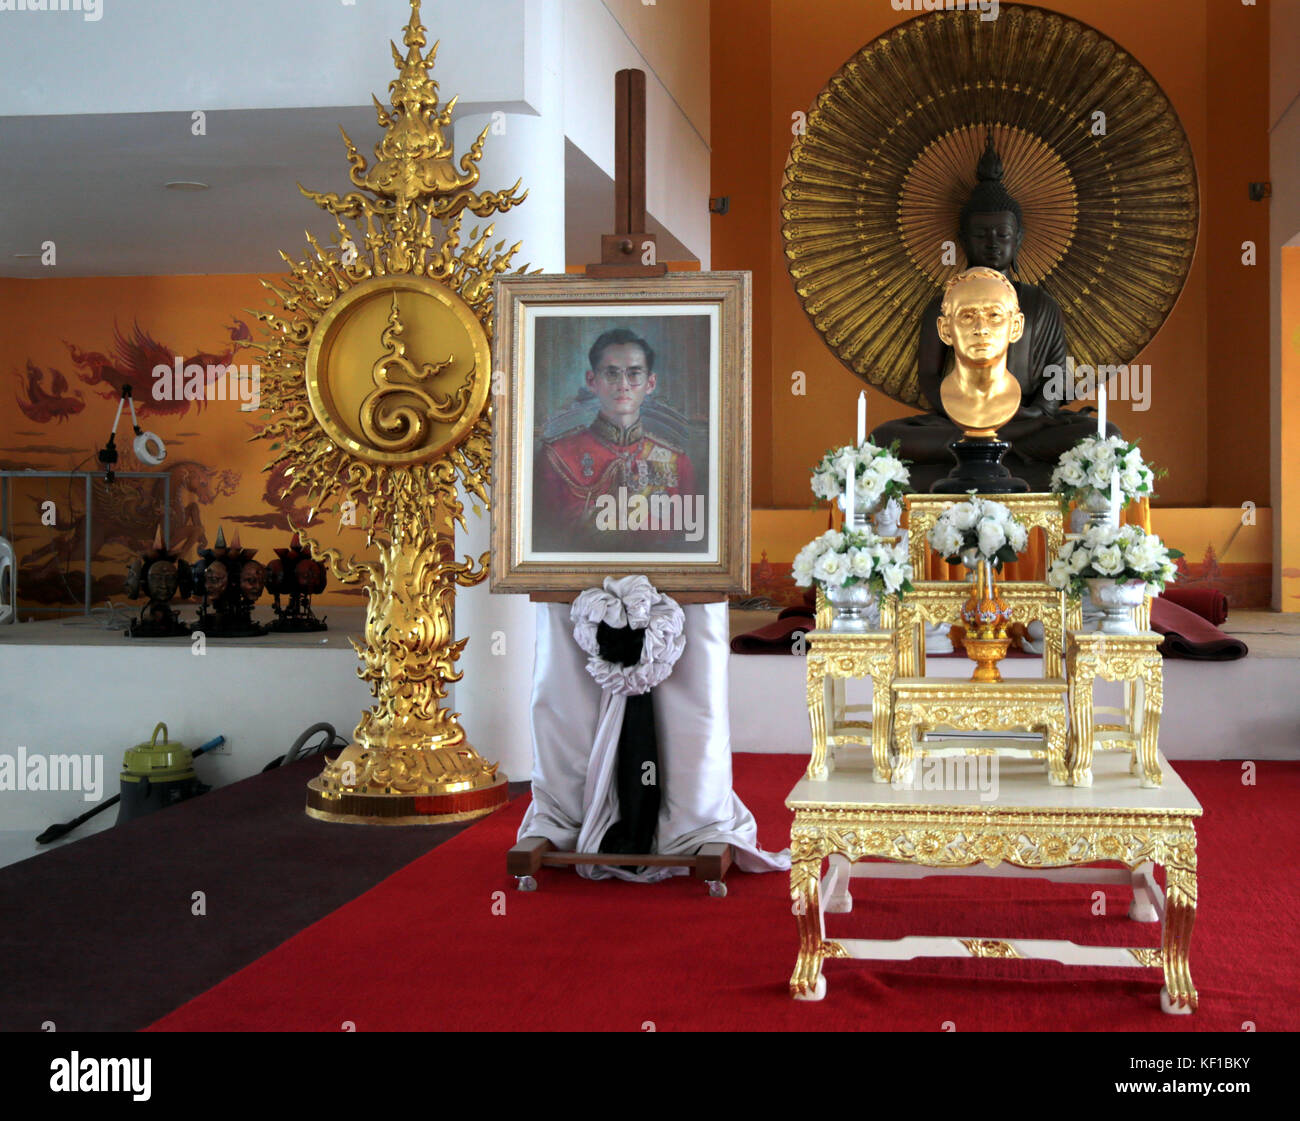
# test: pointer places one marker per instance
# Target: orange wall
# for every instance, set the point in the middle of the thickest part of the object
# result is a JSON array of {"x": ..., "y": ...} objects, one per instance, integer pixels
[
  {"x": 1288, "y": 501},
  {"x": 1237, "y": 103},
  {"x": 744, "y": 145},
  {"x": 1220, "y": 94}
]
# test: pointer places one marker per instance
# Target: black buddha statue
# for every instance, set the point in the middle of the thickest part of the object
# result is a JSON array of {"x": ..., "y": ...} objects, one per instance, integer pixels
[{"x": 991, "y": 231}]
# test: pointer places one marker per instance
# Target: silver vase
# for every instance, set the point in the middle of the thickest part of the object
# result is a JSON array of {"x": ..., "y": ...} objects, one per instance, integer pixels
[
  {"x": 856, "y": 609},
  {"x": 861, "y": 517},
  {"x": 1116, "y": 598},
  {"x": 1096, "y": 504}
]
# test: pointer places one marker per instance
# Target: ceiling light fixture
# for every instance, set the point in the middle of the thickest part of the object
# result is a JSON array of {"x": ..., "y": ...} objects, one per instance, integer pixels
[{"x": 185, "y": 185}]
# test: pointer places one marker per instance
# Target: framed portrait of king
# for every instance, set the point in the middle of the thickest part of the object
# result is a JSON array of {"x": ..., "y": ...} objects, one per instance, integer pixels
[{"x": 621, "y": 434}]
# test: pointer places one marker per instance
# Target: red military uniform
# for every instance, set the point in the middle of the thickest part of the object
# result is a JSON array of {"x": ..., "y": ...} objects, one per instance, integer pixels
[{"x": 574, "y": 470}]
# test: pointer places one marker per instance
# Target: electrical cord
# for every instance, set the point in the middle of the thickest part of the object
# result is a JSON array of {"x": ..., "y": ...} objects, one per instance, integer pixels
[{"x": 332, "y": 739}]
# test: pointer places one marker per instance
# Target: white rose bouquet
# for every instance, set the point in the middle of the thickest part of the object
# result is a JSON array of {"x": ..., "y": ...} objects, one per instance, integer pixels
[
  {"x": 1113, "y": 553},
  {"x": 879, "y": 474},
  {"x": 978, "y": 527},
  {"x": 837, "y": 560},
  {"x": 1085, "y": 471}
]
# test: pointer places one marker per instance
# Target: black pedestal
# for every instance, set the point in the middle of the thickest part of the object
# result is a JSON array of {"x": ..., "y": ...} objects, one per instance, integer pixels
[{"x": 979, "y": 468}]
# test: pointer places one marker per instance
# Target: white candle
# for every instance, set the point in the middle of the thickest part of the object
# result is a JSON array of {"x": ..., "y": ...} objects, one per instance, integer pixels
[
  {"x": 1101, "y": 410},
  {"x": 862, "y": 418},
  {"x": 850, "y": 489}
]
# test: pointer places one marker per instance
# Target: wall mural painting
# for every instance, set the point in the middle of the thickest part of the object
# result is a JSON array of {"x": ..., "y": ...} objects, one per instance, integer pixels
[{"x": 65, "y": 400}]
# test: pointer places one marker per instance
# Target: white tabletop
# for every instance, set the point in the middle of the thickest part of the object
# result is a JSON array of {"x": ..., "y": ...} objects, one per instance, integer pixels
[{"x": 1021, "y": 785}]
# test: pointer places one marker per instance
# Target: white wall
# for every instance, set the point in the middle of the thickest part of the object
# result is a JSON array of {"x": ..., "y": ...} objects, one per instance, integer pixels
[
  {"x": 66, "y": 699},
  {"x": 596, "y": 46}
]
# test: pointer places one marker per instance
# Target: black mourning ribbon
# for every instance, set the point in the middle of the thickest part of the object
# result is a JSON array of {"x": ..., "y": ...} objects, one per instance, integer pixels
[{"x": 637, "y": 785}]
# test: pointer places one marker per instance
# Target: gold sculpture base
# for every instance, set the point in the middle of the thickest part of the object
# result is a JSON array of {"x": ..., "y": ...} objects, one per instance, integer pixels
[
  {"x": 986, "y": 653},
  {"x": 379, "y": 808},
  {"x": 410, "y": 784}
]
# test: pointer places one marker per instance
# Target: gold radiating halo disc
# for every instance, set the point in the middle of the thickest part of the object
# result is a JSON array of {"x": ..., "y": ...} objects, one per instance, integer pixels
[
  {"x": 1091, "y": 149},
  {"x": 437, "y": 325}
]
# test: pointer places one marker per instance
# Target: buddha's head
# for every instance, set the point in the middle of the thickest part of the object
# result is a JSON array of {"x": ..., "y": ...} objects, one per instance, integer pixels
[
  {"x": 980, "y": 316},
  {"x": 991, "y": 228}
]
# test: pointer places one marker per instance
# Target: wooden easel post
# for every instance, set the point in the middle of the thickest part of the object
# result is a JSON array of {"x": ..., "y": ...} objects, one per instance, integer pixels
[{"x": 622, "y": 254}]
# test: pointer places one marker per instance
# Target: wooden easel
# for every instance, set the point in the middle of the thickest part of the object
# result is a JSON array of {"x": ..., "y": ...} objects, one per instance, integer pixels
[{"x": 621, "y": 255}]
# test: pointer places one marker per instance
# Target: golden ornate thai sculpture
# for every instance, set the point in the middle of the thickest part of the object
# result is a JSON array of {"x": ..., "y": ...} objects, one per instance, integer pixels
[{"x": 378, "y": 371}]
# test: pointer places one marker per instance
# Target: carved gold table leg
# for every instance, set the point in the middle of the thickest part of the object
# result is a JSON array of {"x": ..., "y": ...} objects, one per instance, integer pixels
[
  {"x": 1058, "y": 773},
  {"x": 882, "y": 673},
  {"x": 1149, "y": 701},
  {"x": 816, "y": 670},
  {"x": 1082, "y": 670},
  {"x": 1178, "y": 997},
  {"x": 807, "y": 982},
  {"x": 904, "y": 731}
]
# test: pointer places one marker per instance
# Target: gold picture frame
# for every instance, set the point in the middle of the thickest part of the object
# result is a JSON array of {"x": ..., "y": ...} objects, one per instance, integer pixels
[{"x": 596, "y": 476}]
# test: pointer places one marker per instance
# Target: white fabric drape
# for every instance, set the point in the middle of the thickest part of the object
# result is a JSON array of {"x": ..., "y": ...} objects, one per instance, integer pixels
[{"x": 575, "y": 742}]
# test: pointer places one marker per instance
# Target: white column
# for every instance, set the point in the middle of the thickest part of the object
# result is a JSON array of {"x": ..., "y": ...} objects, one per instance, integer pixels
[{"x": 494, "y": 697}]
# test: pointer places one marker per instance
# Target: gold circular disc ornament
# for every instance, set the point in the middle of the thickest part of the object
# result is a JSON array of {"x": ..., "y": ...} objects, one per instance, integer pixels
[
  {"x": 1092, "y": 150},
  {"x": 398, "y": 370}
]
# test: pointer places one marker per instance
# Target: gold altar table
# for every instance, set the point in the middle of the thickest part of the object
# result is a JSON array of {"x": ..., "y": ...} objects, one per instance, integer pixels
[
  {"x": 1136, "y": 661},
  {"x": 832, "y": 658},
  {"x": 1028, "y": 829},
  {"x": 925, "y": 704}
]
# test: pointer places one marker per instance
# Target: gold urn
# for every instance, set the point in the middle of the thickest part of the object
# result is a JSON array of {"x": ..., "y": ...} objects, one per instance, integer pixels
[{"x": 985, "y": 615}]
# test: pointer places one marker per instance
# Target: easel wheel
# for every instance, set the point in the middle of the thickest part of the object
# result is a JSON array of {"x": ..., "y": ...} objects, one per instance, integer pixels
[{"x": 525, "y": 883}]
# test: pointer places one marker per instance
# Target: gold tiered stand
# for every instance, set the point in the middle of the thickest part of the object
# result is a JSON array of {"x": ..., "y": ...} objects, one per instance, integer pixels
[{"x": 1061, "y": 829}]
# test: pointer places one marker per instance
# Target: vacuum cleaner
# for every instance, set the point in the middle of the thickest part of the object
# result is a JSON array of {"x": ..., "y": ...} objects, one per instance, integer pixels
[
  {"x": 154, "y": 776},
  {"x": 157, "y": 775}
]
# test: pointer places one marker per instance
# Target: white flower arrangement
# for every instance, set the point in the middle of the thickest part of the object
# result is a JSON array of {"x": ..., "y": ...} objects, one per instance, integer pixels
[
  {"x": 1088, "y": 467},
  {"x": 1113, "y": 553},
  {"x": 841, "y": 559},
  {"x": 879, "y": 474},
  {"x": 982, "y": 525}
]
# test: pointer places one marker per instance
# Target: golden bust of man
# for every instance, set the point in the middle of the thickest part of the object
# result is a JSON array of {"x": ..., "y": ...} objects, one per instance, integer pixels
[{"x": 980, "y": 319}]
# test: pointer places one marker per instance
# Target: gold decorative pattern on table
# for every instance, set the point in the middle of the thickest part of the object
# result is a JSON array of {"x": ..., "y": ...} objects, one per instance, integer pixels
[
  {"x": 990, "y": 948},
  {"x": 924, "y": 704},
  {"x": 939, "y": 601}
]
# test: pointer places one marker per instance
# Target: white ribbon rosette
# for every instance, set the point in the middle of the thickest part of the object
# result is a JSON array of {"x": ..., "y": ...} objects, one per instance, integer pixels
[{"x": 630, "y": 601}]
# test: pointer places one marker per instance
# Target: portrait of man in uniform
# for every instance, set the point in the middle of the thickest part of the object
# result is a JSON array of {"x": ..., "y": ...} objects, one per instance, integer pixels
[
  {"x": 620, "y": 440},
  {"x": 613, "y": 469}
]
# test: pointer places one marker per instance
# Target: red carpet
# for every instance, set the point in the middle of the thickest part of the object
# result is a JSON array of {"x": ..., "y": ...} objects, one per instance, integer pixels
[{"x": 424, "y": 951}]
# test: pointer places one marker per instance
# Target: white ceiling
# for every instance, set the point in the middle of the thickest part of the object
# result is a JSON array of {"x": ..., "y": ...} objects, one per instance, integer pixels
[{"x": 94, "y": 186}]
